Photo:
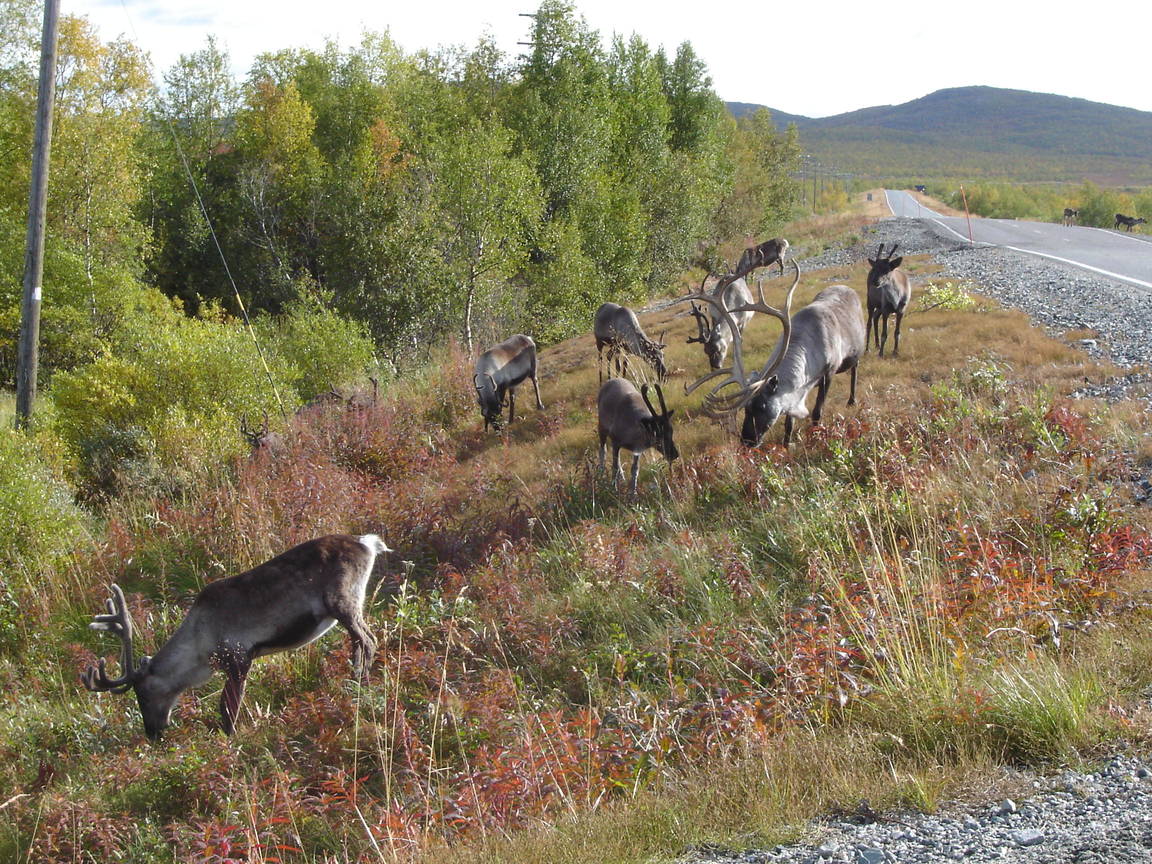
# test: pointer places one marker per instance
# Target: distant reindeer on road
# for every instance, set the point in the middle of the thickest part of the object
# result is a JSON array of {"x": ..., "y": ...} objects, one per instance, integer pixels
[
  {"x": 1070, "y": 216},
  {"x": 1129, "y": 222}
]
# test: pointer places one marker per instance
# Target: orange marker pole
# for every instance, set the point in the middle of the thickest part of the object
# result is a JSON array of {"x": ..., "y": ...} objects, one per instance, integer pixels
[{"x": 967, "y": 214}]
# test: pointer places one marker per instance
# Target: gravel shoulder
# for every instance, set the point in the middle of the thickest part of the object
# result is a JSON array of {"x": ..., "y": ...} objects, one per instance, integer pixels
[{"x": 1073, "y": 817}]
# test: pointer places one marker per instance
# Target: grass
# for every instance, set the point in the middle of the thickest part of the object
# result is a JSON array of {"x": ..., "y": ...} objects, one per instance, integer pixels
[{"x": 945, "y": 578}]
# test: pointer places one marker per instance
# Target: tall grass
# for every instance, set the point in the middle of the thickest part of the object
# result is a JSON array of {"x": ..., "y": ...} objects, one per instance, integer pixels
[{"x": 877, "y": 613}]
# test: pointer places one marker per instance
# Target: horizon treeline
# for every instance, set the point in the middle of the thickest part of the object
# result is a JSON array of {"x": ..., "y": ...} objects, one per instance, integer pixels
[{"x": 460, "y": 192}]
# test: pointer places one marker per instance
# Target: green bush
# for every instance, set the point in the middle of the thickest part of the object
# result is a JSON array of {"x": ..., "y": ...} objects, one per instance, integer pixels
[
  {"x": 41, "y": 525},
  {"x": 164, "y": 409}
]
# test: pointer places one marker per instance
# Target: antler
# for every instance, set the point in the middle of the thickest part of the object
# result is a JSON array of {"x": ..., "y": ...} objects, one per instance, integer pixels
[
  {"x": 659, "y": 395},
  {"x": 253, "y": 438},
  {"x": 703, "y": 326},
  {"x": 715, "y": 405},
  {"x": 118, "y": 621}
]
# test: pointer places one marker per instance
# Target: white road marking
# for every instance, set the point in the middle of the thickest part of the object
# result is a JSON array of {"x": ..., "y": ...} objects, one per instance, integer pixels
[{"x": 1129, "y": 279}]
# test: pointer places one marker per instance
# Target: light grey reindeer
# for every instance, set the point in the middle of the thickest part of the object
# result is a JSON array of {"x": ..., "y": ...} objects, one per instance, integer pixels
[
  {"x": 822, "y": 339},
  {"x": 889, "y": 292},
  {"x": 627, "y": 418},
  {"x": 283, "y": 603},
  {"x": 762, "y": 255},
  {"x": 617, "y": 328},
  {"x": 498, "y": 371},
  {"x": 713, "y": 331}
]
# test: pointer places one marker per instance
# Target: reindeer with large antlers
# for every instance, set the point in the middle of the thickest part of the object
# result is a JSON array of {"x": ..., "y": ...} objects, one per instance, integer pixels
[
  {"x": 824, "y": 338},
  {"x": 889, "y": 292},
  {"x": 713, "y": 332},
  {"x": 626, "y": 416},
  {"x": 284, "y": 603},
  {"x": 618, "y": 329}
]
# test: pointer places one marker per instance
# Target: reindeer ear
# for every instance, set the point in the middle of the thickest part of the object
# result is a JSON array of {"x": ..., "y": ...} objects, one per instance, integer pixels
[
  {"x": 871, "y": 263},
  {"x": 896, "y": 262}
]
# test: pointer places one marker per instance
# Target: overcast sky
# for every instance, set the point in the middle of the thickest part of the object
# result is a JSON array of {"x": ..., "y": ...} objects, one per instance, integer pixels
[{"x": 814, "y": 59}]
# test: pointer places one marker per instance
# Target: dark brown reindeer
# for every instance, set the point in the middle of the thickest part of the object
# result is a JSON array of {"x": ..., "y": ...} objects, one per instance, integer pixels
[
  {"x": 282, "y": 604},
  {"x": 713, "y": 332},
  {"x": 889, "y": 292},
  {"x": 617, "y": 328},
  {"x": 1129, "y": 222},
  {"x": 767, "y": 253},
  {"x": 627, "y": 418},
  {"x": 498, "y": 371},
  {"x": 824, "y": 338},
  {"x": 1070, "y": 216},
  {"x": 260, "y": 438}
]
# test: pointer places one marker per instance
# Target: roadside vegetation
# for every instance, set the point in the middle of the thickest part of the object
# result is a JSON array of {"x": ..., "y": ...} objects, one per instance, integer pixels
[
  {"x": 945, "y": 579},
  {"x": 1098, "y": 205}
]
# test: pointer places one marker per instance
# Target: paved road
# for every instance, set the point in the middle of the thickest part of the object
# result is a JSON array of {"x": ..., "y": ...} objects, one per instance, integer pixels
[{"x": 1123, "y": 256}]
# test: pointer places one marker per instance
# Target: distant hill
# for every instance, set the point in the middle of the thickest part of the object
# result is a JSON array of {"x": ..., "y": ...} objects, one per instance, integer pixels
[{"x": 983, "y": 132}]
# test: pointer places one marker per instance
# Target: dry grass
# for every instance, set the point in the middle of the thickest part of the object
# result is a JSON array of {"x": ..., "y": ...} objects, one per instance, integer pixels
[{"x": 934, "y": 346}]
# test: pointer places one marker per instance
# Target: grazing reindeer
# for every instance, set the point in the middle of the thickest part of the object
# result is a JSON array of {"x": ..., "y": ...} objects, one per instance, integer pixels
[
  {"x": 627, "y": 417},
  {"x": 822, "y": 339},
  {"x": 768, "y": 252},
  {"x": 618, "y": 328},
  {"x": 498, "y": 371},
  {"x": 282, "y": 604},
  {"x": 1129, "y": 222},
  {"x": 1070, "y": 216},
  {"x": 889, "y": 291},
  {"x": 713, "y": 329}
]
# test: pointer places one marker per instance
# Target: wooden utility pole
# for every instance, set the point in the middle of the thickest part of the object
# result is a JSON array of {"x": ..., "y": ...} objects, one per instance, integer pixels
[{"x": 28, "y": 358}]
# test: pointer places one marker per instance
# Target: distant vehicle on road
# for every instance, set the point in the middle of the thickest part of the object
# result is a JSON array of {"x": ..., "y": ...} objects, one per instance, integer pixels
[{"x": 922, "y": 188}]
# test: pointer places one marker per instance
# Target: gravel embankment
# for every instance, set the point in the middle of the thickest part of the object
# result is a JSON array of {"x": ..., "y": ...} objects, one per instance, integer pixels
[
  {"x": 1059, "y": 297},
  {"x": 1103, "y": 817},
  {"x": 1093, "y": 817}
]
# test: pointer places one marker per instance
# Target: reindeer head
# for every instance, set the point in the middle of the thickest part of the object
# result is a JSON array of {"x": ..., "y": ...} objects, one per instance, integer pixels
[
  {"x": 653, "y": 352},
  {"x": 882, "y": 264},
  {"x": 491, "y": 400},
  {"x": 760, "y": 413},
  {"x": 154, "y": 696},
  {"x": 658, "y": 427}
]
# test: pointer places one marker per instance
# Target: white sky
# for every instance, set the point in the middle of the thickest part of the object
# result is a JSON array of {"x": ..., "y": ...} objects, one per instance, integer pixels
[{"x": 815, "y": 58}]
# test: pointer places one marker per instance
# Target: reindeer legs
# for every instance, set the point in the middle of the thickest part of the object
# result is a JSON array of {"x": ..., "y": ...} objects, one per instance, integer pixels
[{"x": 235, "y": 662}]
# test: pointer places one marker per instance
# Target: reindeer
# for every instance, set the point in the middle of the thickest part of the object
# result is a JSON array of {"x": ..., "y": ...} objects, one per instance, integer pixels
[
  {"x": 282, "y": 604},
  {"x": 768, "y": 252},
  {"x": 261, "y": 439},
  {"x": 627, "y": 417},
  {"x": 889, "y": 291},
  {"x": 498, "y": 371},
  {"x": 1129, "y": 222},
  {"x": 1070, "y": 216},
  {"x": 713, "y": 329},
  {"x": 824, "y": 338},
  {"x": 618, "y": 328}
]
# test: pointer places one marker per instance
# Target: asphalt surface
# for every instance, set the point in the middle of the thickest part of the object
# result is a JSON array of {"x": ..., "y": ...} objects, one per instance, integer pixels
[{"x": 1115, "y": 254}]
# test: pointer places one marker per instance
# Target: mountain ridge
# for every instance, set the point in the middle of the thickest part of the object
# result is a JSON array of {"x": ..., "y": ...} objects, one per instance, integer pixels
[{"x": 992, "y": 131}]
